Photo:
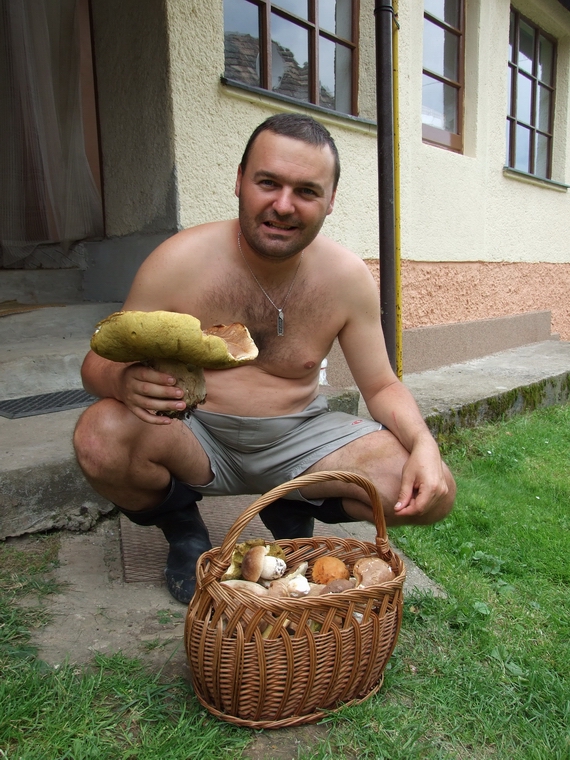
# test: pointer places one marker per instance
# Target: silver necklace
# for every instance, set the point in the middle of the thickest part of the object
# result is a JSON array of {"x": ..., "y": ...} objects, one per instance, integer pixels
[{"x": 280, "y": 316}]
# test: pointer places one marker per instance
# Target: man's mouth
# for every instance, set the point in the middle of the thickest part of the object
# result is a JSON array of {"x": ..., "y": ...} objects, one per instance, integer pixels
[{"x": 280, "y": 227}]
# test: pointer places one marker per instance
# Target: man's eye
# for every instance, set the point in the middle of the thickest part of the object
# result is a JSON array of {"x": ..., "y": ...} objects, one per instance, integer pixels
[
  {"x": 267, "y": 182},
  {"x": 307, "y": 191}
]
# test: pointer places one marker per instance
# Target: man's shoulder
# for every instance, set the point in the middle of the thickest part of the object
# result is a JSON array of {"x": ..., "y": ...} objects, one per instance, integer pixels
[{"x": 339, "y": 259}]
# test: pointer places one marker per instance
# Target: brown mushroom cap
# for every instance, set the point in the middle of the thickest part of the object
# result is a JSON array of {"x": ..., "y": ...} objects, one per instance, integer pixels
[
  {"x": 329, "y": 568},
  {"x": 370, "y": 571},
  {"x": 252, "y": 563},
  {"x": 138, "y": 336},
  {"x": 337, "y": 586}
]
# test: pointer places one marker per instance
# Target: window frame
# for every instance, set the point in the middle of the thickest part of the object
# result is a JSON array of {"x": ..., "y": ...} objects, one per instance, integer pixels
[
  {"x": 443, "y": 138},
  {"x": 315, "y": 32},
  {"x": 512, "y": 116}
]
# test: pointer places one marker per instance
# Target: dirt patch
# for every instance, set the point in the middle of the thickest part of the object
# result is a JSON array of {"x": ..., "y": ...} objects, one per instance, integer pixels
[{"x": 96, "y": 611}]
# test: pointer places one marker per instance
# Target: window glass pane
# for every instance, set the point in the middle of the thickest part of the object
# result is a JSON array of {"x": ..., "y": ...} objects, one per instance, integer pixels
[
  {"x": 298, "y": 7},
  {"x": 510, "y": 73},
  {"x": 541, "y": 158},
  {"x": 508, "y": 144},
  {"x": 241, "y": 42},
  {"x": 439, "y": 104},
  {"x": 446, "y": 10},
  {"x": 334, "y": 75},
  {"x": 545, "y": 60},
  {"x": 522, "y": 156},
  {"x": 526, "y": 46},
  {"x": 512, "y": 38},
  {"x": 290, "y": 56},
  {"x": 336, "y": 16},
  {"x": 441, "y": 51},
  {"x": 524, "y": 98},
  {"x": 544, "y": 101}
]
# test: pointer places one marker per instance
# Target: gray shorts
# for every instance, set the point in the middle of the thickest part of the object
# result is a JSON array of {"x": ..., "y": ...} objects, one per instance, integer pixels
[{"x": 252, "y": 455}]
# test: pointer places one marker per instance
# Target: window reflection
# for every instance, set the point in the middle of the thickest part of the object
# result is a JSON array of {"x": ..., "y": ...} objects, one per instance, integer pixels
[
  {"x": 334, "y": 75},
  {"x": 298, "y": 7},
  {"x": 446, "y": 10},
  {"x": 336, "y": 16},
  {"x": 439, "y": 104},
  {"x": 526, "y": 47},
  {"x": 524, "y": 98},
  {"x": 522, "y": 148},
  {"x": 545, "y": 60},
  {"x": 441, "y": 50},
  {"x": 241, "y": 42},
  {"x": 291, "y": 43}
]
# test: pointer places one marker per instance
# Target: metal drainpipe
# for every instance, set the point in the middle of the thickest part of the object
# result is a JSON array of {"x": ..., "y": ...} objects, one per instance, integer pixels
[{"x": 384, "y": 13}]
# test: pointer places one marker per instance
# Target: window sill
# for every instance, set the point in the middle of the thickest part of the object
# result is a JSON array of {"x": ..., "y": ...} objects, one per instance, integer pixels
[
  {"x": 531, "y": 179},
  {"x": 243, "y": 90}
]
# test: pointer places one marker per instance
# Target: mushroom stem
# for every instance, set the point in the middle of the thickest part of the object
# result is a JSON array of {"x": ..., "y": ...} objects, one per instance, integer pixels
[{"x": 188, "y": 377}]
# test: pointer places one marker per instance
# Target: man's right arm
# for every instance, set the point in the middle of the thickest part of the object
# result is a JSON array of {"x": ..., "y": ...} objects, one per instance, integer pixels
[{"x": 141, "y": 389}]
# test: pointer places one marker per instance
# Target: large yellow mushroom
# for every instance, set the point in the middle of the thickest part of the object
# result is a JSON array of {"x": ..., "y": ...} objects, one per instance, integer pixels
[{"x": 175, "y": 344}]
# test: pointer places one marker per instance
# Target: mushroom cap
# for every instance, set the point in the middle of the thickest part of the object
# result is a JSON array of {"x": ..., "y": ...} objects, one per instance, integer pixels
[
  {"x": 135, "y": 336},
  {"x": 337, "y": 586},
  {"x": 329, "y": 568},
  {"x": 252, "y": 563},
  {"x": 370, "y": 571}
]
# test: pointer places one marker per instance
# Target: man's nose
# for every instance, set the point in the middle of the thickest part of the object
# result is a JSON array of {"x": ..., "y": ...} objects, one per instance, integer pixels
[{"x": 283, "y": 204}]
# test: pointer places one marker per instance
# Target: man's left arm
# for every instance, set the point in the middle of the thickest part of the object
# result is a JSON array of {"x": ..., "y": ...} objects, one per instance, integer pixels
[{"x": 424, "y": 480}]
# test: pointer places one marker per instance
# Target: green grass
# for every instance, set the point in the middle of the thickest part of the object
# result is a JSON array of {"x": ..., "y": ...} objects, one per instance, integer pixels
[
  {"x": 113, "y": 709},
  {"x": 483, "y": 673}
]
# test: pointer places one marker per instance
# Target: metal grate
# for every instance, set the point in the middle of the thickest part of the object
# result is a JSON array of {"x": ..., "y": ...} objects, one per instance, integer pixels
[{"x": 45, "y": 403}]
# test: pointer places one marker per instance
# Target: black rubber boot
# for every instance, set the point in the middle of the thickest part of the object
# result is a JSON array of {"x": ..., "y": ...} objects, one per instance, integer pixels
[
  {"x": 286, "y": 518},
  {"x": 180, "y": 520}
]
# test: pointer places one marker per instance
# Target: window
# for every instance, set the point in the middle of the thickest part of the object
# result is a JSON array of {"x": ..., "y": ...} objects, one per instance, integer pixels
[
  {"x": 530, "y": 112},
  {"x": 301, "y": 49},
  {"x": 442, "y": 82}
]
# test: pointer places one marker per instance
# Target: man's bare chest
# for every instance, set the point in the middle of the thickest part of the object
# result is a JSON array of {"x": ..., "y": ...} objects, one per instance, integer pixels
[{"x": 307, "y": 320}]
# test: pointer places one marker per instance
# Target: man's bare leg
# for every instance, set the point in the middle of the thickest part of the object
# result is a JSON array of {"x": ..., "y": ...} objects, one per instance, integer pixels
[
  {"x": 378, "y": 456},
  {"x": 144, "y": 469}
]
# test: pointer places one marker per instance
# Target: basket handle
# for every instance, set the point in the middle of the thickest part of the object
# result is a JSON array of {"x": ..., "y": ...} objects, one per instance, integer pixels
[{"x": 227, "y": 548}]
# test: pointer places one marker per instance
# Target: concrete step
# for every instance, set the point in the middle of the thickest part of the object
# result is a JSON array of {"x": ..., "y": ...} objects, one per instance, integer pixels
[
  {"x": 41, "y": 351},
  {"x": 42, "y": 488}
]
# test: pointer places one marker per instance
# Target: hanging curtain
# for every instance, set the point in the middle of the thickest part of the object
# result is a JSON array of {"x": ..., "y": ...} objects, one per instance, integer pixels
[{"x": 48, "y": 193}]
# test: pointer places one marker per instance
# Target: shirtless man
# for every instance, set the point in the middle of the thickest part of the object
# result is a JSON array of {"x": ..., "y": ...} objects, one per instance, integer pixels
[{"x": 263, "y": 423}]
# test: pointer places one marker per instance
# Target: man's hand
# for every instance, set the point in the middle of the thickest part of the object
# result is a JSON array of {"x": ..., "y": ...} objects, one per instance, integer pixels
[
  {"x": 424, "y": 483},
  {"x": 145, "y": 391}
]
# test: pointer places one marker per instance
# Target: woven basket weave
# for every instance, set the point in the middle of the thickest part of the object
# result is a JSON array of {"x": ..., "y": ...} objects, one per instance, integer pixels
[{"x": 284, "y": 678}]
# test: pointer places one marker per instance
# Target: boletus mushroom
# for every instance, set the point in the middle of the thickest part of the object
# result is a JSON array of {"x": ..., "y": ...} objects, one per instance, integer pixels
[
  {"x": 175, "y": 344},
  {"x": 369, "y": 571}
]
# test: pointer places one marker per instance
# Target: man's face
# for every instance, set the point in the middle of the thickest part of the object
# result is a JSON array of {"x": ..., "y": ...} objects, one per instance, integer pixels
[{"x": 285, "y": 194}]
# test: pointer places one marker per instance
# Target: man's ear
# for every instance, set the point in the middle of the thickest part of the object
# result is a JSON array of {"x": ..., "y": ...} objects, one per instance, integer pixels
[
  {"x": 238, "y": 181},
  {"x": 331, "y": 204}
]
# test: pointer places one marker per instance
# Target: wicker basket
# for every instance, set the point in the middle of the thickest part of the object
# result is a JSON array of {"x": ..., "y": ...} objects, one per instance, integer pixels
[{"x": 283, "y": 678}]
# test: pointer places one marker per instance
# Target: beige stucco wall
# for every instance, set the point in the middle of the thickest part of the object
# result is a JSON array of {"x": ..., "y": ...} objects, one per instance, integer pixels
[
  {"x": 212, "y": 124},
  {"x": 463, "y": 207}
]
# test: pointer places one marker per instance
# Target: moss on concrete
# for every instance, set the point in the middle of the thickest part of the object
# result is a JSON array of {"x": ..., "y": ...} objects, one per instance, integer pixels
[{"x": 527, "y": 398}]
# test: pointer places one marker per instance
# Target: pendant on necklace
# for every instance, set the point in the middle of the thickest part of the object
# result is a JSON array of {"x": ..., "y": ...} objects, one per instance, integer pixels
[{"x": 280, "y": 319}]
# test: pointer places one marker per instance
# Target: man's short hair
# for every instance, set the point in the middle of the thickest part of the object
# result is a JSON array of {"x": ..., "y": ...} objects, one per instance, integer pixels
[{"x": 299, "y": 127}]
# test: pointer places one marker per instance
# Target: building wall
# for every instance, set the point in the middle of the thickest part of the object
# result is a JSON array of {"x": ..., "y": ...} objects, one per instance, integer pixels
[
  {"x": 463, "y": 207},
  {"x": 212, "y": 124}
]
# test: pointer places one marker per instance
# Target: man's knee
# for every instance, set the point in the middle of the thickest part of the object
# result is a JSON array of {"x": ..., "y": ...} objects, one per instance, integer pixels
[{"x": 96, "y": 436}]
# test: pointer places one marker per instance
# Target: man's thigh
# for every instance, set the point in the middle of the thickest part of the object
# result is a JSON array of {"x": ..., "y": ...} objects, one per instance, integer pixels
[{"x": 378, "y": 456}]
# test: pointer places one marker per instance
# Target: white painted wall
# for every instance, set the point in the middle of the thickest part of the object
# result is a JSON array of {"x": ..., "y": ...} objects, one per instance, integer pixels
[{"x": 463, "y": 207}]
